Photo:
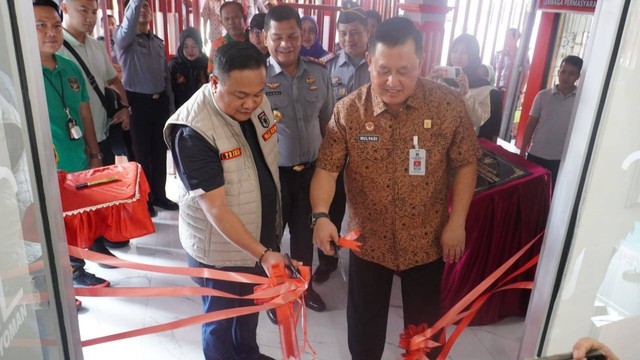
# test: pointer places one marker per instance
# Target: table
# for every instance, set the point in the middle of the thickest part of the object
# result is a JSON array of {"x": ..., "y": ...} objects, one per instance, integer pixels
[
  {"x": 116, "y": 210},
  {"x": 500, "y": 222}
]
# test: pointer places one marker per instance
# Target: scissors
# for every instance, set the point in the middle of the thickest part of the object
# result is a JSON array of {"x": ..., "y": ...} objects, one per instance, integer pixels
[
  {"x": 289, "y": 265},
  {"x": 336, "y": 254}
]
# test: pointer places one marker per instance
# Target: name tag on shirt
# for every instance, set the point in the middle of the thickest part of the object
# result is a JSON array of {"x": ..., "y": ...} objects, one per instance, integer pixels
[
  {"x": 417, "y": 161},
  {"x": 369, "y": 138}
]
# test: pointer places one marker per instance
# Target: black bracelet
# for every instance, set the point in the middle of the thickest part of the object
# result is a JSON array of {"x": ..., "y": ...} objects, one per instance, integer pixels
[{"x": 262, "y": 255}]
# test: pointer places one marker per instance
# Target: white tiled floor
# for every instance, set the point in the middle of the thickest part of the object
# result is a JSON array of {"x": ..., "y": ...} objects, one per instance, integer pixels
[{"x": 327, "y": 330}]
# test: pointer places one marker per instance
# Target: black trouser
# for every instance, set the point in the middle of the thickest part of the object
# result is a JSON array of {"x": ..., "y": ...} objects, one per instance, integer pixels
[
  {"x": 113, "y": 146},
  {"x": 296, "y": 208},
  {"x": 369, "y": 290},
  {"x": 552, "y": 165},
  {"x": 148, "y": 115},
  {"x": 336, "y": 212},
  {"x": 77, "y": 264}
]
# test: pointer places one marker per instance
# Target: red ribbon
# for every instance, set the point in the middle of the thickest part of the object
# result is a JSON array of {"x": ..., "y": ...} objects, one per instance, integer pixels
[
  {"x": 417, "y": 340},
  {"x": 269, "y": 294},
  {"x": 349, "y": 240}
]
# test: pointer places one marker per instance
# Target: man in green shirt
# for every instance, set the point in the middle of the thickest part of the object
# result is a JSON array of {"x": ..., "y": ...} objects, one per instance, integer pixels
[{"x": 72, "y": 129}]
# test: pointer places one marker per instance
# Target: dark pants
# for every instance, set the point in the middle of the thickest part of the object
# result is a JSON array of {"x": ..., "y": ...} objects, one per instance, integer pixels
[
  {"x": 148, "y": 116},
  {"x": 336, "y": 212},
  {"x": 77, "y": 264},
  {"x": 233, "y": 338},
  {"x": 114, "y": 145},
  {"x": 369, "y": 290},
  {"x": 552, "y": 165},
  {"x": 296, "y": 208}
]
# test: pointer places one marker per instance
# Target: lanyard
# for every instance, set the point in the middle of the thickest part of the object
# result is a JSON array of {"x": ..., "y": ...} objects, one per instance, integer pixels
[{"x": 60, "y": 94}]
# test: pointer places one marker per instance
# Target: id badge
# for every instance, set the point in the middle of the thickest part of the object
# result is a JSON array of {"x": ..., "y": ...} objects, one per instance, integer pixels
[{"x": 417, "y": 161}]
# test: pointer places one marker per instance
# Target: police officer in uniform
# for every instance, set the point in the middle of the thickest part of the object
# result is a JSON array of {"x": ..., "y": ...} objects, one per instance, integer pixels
[
  {"x": 349, "y": 71},
  {"x": 148, "y": 83},
  {"x": 302, "y": 101}
]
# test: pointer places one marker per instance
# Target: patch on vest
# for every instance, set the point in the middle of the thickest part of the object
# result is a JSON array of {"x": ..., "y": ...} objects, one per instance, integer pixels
[
  {"x": 269, "y": 133},
  {"x": 231, "y": 154},
  {"x": 264, "y": 120}
]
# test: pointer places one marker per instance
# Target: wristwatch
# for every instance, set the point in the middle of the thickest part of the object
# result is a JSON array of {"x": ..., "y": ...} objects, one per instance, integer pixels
[{"x": 315, "y": 216}]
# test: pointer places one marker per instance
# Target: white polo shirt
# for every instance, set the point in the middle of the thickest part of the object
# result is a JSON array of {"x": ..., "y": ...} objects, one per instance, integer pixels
[
  {"x": 554, "y": 111},
  {"x": 94, "y": 55}
]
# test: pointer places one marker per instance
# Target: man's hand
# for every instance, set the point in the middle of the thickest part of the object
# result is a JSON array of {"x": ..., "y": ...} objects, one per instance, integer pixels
[
  {"x": 453, "y": 242},
  {"x": 95, "y": 163},
  {"x": 323, "y": 233},
  {"x": 273, "y": 257},
  {"x": 584, "y": 345},
  {"x": 122, "y": 117}
]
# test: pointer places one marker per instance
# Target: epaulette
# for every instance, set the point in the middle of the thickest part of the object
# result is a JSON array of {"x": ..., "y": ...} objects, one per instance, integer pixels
[
  {"x": 157, "y": 37},
  {"x": 321, "y": 61}
]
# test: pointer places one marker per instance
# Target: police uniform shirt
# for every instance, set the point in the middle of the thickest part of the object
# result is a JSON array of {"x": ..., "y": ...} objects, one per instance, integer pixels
[
  {"x": 305, "y": 103},
  {"x": 345, "y": 77},
  {"x": 142, "y": 56}
]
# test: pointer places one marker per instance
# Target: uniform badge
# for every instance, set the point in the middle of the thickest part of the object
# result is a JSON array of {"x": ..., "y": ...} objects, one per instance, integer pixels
[
  {"x": 427, "y": 124},
  {"x": 273, "y": 85},
  {"x": 369, "y": 126},
  {"x": 336, "y": 80},
  {"x": 342, "y": 91},
  {"x": 310, "y": 79},
  {"x": 269, "y": 133},
  {"x": 277, "y": 115},
  {"x": 264, "y": 120},
  {"x": 74, "y": 84},
  {"x": 231, "y": 154},
  {"x": 313, "y": 87}
]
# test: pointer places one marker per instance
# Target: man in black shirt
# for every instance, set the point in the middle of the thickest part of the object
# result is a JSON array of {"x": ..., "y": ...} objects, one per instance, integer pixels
[{"x": 225, "y": 149}]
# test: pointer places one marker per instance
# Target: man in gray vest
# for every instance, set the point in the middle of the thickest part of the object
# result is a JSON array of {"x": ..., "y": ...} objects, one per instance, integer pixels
[
  {"x": 224, "y": 144},
  {"x": 349, "y": 71}
]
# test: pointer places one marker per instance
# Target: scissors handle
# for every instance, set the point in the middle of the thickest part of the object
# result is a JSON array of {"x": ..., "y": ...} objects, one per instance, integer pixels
[{"x": 336, "y": 249}]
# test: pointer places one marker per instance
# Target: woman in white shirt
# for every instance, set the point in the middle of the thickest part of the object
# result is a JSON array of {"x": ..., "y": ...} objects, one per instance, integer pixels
[{"x": 483, "y": 100}]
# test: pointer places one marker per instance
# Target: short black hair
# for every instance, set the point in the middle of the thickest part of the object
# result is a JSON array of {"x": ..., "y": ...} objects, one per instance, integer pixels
[
  {"x": 352, "y": 12},
  {"x": 236, "y": 55},
  {"x": 257, "y": 21},
  {"x": 281, "y": 13},
  {"x": 50, "y": 3},
  {"x": 574, "y": 61},
  {"x": 396, "y": 31},
  {"x": 372, "y": 14},
  {"x": 226, "y": 4}
]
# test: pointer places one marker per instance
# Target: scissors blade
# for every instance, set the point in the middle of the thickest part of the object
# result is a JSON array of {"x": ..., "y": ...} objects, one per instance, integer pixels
[{"x": 336, "y": 254}]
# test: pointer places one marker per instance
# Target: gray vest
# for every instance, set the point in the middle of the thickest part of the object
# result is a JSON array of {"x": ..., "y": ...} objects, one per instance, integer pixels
[{"x": 199, "y": 237}]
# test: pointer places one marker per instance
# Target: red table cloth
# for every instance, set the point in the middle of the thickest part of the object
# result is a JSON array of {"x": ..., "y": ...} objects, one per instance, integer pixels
[
  {"x": 500, "y": 222},
  {"x": 116, "y": 210}
]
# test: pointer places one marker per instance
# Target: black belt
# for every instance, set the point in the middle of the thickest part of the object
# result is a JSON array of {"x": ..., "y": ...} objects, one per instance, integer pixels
[
  {"x": 155, "y": 96},
  {"x": 299, "y": 167}
]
